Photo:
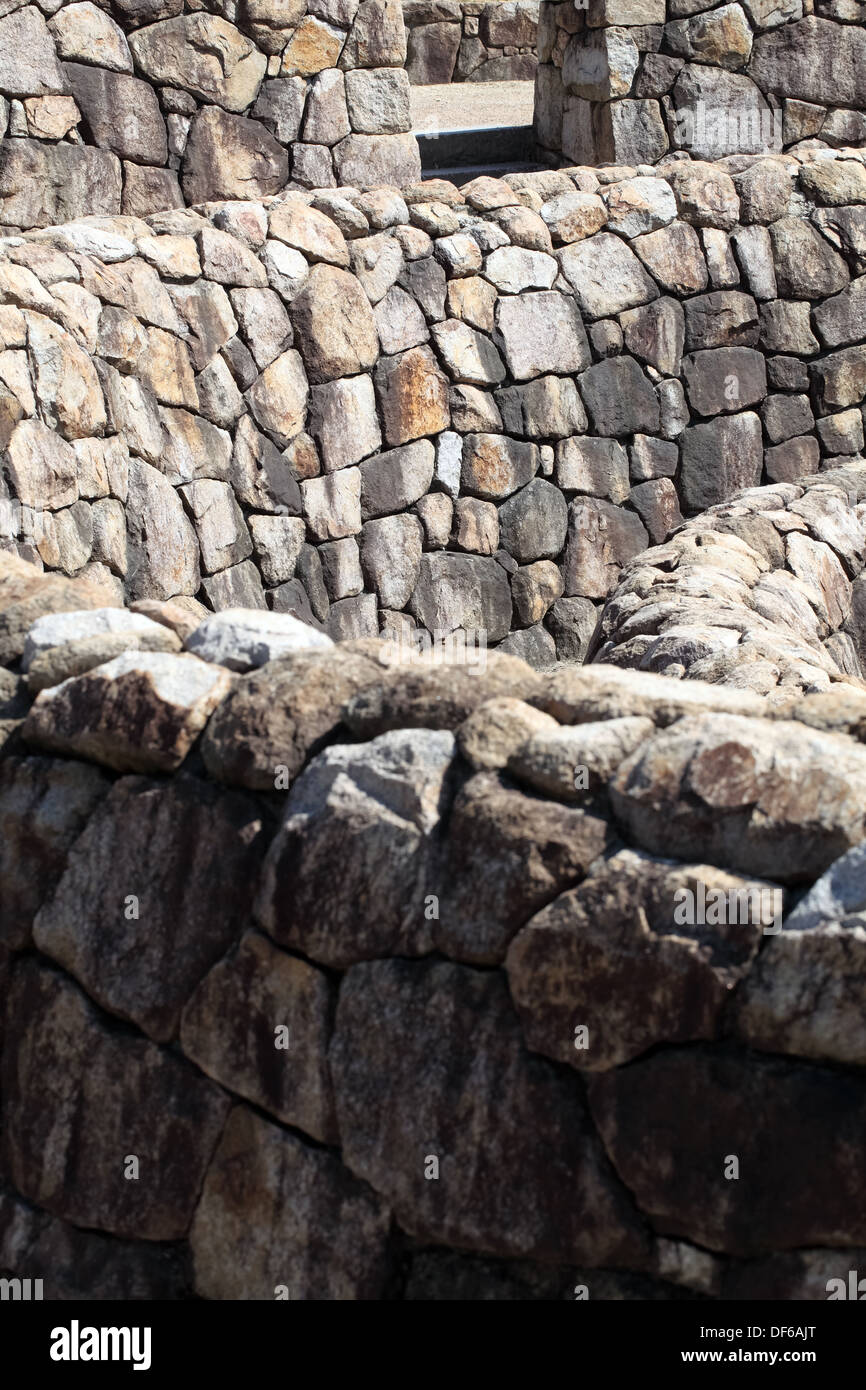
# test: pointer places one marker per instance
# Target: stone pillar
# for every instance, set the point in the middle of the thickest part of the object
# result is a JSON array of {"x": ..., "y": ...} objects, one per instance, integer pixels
[{"x": 624, "y": 81}]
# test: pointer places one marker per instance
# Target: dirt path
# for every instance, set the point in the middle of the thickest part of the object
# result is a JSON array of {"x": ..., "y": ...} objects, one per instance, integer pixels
[{"x": 471, "y": 106}]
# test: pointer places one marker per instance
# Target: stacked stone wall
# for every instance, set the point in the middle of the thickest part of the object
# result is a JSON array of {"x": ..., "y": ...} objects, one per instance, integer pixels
[
  {"x": 433, "y": 410},
  {"x": 471, "y": 40},
  {"x": 626, "y": 81},
  {"x": 135, "y": 108},
  {"x": 508, "y": 1051}
]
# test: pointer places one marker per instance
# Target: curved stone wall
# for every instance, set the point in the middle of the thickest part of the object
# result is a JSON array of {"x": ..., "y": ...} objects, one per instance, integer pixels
[
  {"x": 519, "y": 935},
  {"x": 444, "y": 409},
  {"x": 763, "y": 593},
  {"x": 136, "y": 106},
  {"x": 624, "y": 81}
]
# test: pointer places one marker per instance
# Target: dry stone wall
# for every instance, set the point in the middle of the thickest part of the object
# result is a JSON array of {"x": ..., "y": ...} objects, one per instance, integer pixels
[
  {"x": 762, "y": 593},
  {"x": 432, "y": 410},
  {"x": 624, "y": 81},
  {"x": 471, "y": 41},
  {"x": 135, "y": 106},
  {"x": 504, "y": 941}
]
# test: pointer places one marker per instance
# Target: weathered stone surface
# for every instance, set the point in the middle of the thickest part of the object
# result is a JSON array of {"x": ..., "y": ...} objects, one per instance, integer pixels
[
  {"x": 278, "y": 398},
  {"x": 619, "y": 398},
  {"x": 811, "y": 1123},
  {"x": 278, "y": 717},
  {"x": 334, "y": 325},
  {"x": 600, "y": 65},
  {"x": 605, "y": 275},
  {"x": 44, "y": 805},
  {"x": 840, "y": 379},
  {"x": 817, "y": 954},
  {"x": 507, "y": 854},
  {"x": 540, "y": 333},
  {"x": 533, "y": 522},
  {"x": 807, "y": 267},
  {"x": 723, "y": 318},
  {"x": 513, "y": 269},
  {"x": 298, "y": 1221},
  {"x": 63, "y": 1153},
  {"x": 28, "y": 594},
  {"x": 673, "y": 256},
  {"x": 575, "y": 963},
  {"x": 490, "y": 734},
  {"x": 81, "y": 1265},
  {"x": 207, "y": 846},
  {"x": 399, "y": 321},
  {"x": 260, "y": 475},
  {"x": 437, "y": 693},
  {"x": 469, "y": 356},
  {"x": 202, "y": 54},
  {"x": 718, "y": 458},
  {"x": 595, "y": 466},
  {"x": 309, "y": 231},
  {"x": 767, "y": 783},
  {"x": 572, "y": 216},
  {"x": 58, "y": 629},
  {"x": 382, "y": 802},
  {"x": 432, "y": 52},
  {"x": 391, "y": 558},
  {"x": 376, "y": 161},
  {"x": 601, "y": 539},
  {"x": 140, "y": 712},
  {"x": 242, "y": 641},
  {"x": 230, "y": 156},
  {"x": 394, "y": 480},
  {"x": 812, "y": 60},
  {"x": 541, "y": 1124},
  {"x": 413, "y": 395},
  {"x": 572, "y": 621},
  {"x": 705, "y": 194},
  {"x": 547, "y": 408},
  {"x": 28, "y": 62},
  {"x": 656, "y": 333},
  {"x": 343, "y": 421},
  {"x": 280, "y": 105},
  {"x": 378, "y": 101},
  {"x": 84, "y": 32},
  {"x": 163, "y": 550},
  {"x": 461, "y": 591},
  {"x": 657, "y": 504},
  {"x": 724, "y": 380},
  {"x": 42, "y": 185},
  {"x": 495, "y": 466},
  {"x": 42, "y": 467},
  {"x": 332, "y": 505},
  {"x": 341, "y": 569},
  {"x": 74, "y": 658},
  {"x": 476, "y": 524},
  {"x": 235, "y": 1013},
  {"x": 122, "y": 112},
  {"x": 222, "y": 533}
]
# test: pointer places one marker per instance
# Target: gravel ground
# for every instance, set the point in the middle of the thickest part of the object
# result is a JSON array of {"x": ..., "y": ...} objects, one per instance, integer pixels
[{"x": 471, "y": 106}]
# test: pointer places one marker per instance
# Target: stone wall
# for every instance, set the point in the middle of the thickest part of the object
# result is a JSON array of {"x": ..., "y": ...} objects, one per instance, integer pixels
[
  {"x": 764, "y": 593},
  {"x": 623, "y": 81},
  {"x": 470, "y": 40},
  {"x": 490, "y": 1058},
  {"x": 453, "y": 409},
  {"x": 136, "y": 106}
]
